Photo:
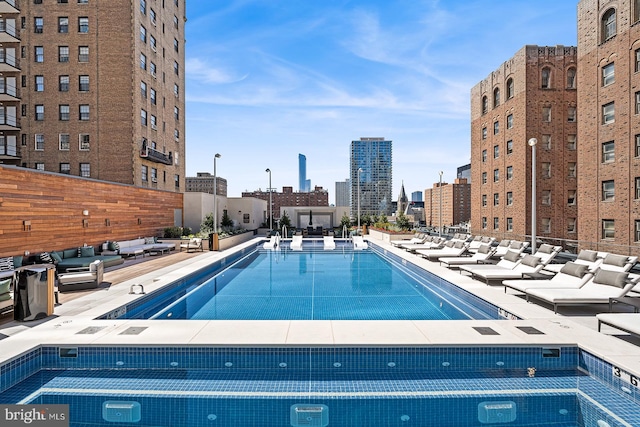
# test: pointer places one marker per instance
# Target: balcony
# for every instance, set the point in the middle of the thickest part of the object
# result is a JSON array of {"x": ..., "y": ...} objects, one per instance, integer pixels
[
  {"x": 8, "y": 32},
  {"x": 9, "y": 153},
  {"x": 8, "y": 61},
  {"x": 8, "y": 118},
  {"x": 8, "y": 91},
  {"x": 8, "y": 6},
  {"x": 155, "y": 155}
]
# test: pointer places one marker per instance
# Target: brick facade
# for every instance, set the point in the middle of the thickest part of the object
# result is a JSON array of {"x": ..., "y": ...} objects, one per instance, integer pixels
[
  {"x": 456, "y": 203},
  {"x": 288, "y": 197}
]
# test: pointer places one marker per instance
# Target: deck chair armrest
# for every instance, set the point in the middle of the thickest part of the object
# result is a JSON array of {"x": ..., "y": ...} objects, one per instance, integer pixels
[{"x": 77, "y": 269}]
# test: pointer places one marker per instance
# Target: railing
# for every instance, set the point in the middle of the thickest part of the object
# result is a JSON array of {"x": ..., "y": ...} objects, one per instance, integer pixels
[
  {"x": 9, "y": 148},
  {"x": 155, "y": 155}
]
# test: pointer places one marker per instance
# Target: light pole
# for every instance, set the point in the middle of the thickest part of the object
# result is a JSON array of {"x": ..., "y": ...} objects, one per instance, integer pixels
[
  {"x": 440, "y": 229},
  {"x": 270, "y": 203},
  {"x": 358, "y": 231},
  {"x": 532, "y": 144},
  {"x": 215, "y": 191}
]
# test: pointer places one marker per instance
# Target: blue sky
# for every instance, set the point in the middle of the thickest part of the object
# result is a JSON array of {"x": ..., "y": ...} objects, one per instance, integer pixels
[{"x": 268, "y": 79}]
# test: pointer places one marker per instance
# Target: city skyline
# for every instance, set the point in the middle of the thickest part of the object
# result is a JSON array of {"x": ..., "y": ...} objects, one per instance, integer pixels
[{"x": 278, "y": 78}]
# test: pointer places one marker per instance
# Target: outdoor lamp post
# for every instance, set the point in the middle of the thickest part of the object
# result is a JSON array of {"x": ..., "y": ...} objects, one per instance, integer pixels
[
  {"x": 215, "y": 199},
  {"x": 440, "y": 229},
  {"x": 270, "y": 202},
  {"x": 532, "y": 144},
  {"x": 359, "y": 170}
]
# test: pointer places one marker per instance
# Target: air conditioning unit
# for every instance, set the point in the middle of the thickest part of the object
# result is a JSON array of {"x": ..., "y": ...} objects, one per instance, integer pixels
[
  {"x": 154, "y": 127},
  {"x": 154, "y": 179}
]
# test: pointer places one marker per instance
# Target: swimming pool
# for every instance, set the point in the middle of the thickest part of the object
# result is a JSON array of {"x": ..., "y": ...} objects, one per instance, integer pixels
[
  {"x": 311, "y": 285},
  {"x": 209, "y": 386}
]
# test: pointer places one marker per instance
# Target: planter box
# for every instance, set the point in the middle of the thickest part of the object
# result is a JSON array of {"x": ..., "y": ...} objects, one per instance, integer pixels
[
  {"x": 387, "y": 236},
  {"x": 229, "y": 242}
]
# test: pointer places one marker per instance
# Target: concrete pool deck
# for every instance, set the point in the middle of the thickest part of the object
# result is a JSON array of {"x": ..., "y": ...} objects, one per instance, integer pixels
[{"x": 68, "y": 327}]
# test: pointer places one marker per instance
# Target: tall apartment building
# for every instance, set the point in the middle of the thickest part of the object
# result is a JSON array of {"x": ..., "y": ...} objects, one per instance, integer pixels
[
  {"x": 371, "y": 186},
  {"x": 204, "y": 182},
  {"x": 317, "y": 197},
  {"x": 455, "y": 200},
  {"x": 343, "y": 193},
  {"x": 532, "y": 95},
  {"x": 609, "y": 123},
  {"x": 9, "y": 80},
  {"x": 102, "y": 90}
]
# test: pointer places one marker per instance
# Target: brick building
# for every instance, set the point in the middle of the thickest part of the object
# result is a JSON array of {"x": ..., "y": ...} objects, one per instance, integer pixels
[
  {"x": 609, "y": 128},
  {"x": 203, "y": 182},
  {"x": 532, "y": 95},
  {"x": 456, "y": 203},
  {"x": 101, "y": 90},
  {"x": 317, "y": 197}
]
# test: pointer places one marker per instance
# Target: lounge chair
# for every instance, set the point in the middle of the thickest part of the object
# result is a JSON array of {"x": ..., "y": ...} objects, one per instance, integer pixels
[
  {"x": 603, "y": 286},
  {"x": 417, "y": 238},
  {"x": 455, "y": 250},
  {"x": 502, "y": 249},
  {"x": 273, "y": 243},
  {"x": 359, "y": 243},
  {"x": 81, "y": 277},
  {"x": 592, "y": 259},
  {"x": 620, "y": 263},
  {"x": 329, "y": 243},
  {"x": 431, "y": 242},
  {"x": 194, "y": 244},
  {"x": 478, "y": 241},
  {"x": 508, "y": 261},
  {"x": 627, "y": 322},
  {"x": 528, "y": 264},
  {"x": 296, "y": 243},
  {"x": 571, "y": 276},
  {"x": 483, "y": 253}
]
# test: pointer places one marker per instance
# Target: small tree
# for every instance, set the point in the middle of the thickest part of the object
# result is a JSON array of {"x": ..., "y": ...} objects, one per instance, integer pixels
[
  {"x": 345, "y": 222},
  {"x": 226, "y": 221},
  {"x": 285, "y": 220},
  {"x": 207, "y": 225},
  {"x": 403, "y": 222}
]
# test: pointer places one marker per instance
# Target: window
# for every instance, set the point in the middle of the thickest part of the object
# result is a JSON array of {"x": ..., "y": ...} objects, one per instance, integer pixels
[
  {"x": 545, "y": 80},
  {"x": 484, "y": 156},
  {"x": 546, "y": 141},
  {"x": 509, "y": 146},
  {"x": 63, "y": 24},
  {"x": 39, "y": 141},
  {"x": 496, "y": 128},
  {"x": 608, "y": 113},
  {"x": 175, "y": 21},
  {"x": 65, "y": 168},
  {"x": 571, "y": 142},
  {"x": 484, "y": 133},
  {"x": 637, "y": 146},
  {"x": 496, "y": 199},
  {"x": 176, "y": 113},
  {"x": 152, "y": 16},
  {"x": 246, "y": 218},
  {"x": 484, "y": 200},
  {"x": 496, "y": 151},
  {"x": 143, "y": 90},
  {"x": 63, "y": 142},
  {"x": 63, "y": 112},
  {"x": 509, "y": 224},
  {"x": 153, "y": 96},
  {"x": 38, "y": 24},
  {"x": 637, "y": 188},
  {"x": 143, "y": 7},
  {"x": 546, "y": 198},
  {"x": 143, "y": 61},
  {"x": 608, "y": 229},
  {"x": 176, "y": 181},
  {"x": 63, "y": 1},
  {"x": 546, "y": 225},
  {"x": 39, "y": 54},
  {"x": 496, "y": 175},
  {"x": 83, "y": 54},
  {"x": 176, "y": 90},
  {"x": 83, "y": 1},
  {"x": 176, "y": 45},
  {"x": 40, "y": 112},
  {"x": 546, "y": 170},
  {"x": 509, "y": 198},
  {"x": 84, "y": 112},
  {"x": 571, "y": 225},
  {"x": 143, "y": 34},
  {"x": 637, "y": 231},
  {"x": 154, "y": 122},
  {"x": 63, "y": 53},
  {"x": 571, "y": 114},
  {"x": 509, "y": 173},
  {"x": 152, "y": 43},
  {"x": 484, "y": 177},
  {"x": 571, "y": 78},
  {"x": 496, "y": 223},
  {"x": 571, "y": 197},
  {"x": 608, "y": 152},
  {"x": 510, "y": 121},
  {"x": 85, "y": 170},
  {"x": 176, "y": 134},
  {"x": 40, "y": 166},
  {"x": 637, "y": 66},
  {"x": 143, "y": 117},
  {"x": 83, "y": 24},
  {"x": 63, "y": 83},
  {"x": 484, "y": 222},
  {"x": 496, "y": 97},
  {"x": 83, "y": 83},
  {"x": 637, "y": 102},
  {"x": 39, "y": 84},
  {"x": 510, "y": 89},
  {"x": 485, "y": 105},
  {"x": 83, "y": 142},
  {"x": 152, "y": 69},
  {"x": 571, "y": 170},
  {"x": 144, "y": 173},
  {"x": 609, "y": 24},
  {"x": 608, "y": 191},
  {"x": 608, "y": 74},
  {"x": 176, "y": 68},
  {"x": 546, "y": 114}
]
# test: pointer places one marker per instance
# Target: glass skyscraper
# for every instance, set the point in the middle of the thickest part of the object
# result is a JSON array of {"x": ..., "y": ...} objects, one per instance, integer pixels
[
  {"x": 374, "y": 157},
  {"x": 304, "y": 184}
]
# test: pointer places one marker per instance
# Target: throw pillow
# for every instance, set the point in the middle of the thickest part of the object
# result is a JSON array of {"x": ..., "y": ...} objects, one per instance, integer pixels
[
  {"x": 512, "y": 256},
  {"x": 6, "y": 264},
  {"x": 87, "y": 251},
  {"x": 505, "y": 243},
  {"x": 586, "y": 255},
  {"x": 116, "y": 246},
  {"x": 477, "y": 239},
  {"x": 56, "y": 256},
  {"x": 486, "y": 240},
  {"x": 515, "y": 245},
  {"x": 530, "y": 260},
  {"x": 111, "y": 246},
  {"x": 449, "y": 244},
  {"x": 17, "y": 261},
  {"x": 617, "y": 260},
  {"x": 573, "y": 269},
  {"x": 45, "y": 258},
  {"x": 611, "y": 278},
  {"x": 458, "y": 245},
  {"x": 545, "y": 249},
  {"x": 70, "y": 253},
  {"x": 484, "y": 249},
  {"x": 5, "y": 286},
  {"x": 148, "y": 241}
]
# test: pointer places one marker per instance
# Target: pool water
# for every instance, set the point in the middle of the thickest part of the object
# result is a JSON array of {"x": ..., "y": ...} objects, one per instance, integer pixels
[{"x": 314, "y": 285}]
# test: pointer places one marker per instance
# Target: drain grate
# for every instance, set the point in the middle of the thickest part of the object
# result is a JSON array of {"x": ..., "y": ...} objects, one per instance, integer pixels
[
  {"x": 90, "y": 330},
  {"x": 530, "y": 330},
  {"x": 485, "y": 330},
  {"x": 134, "y": 330}
]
